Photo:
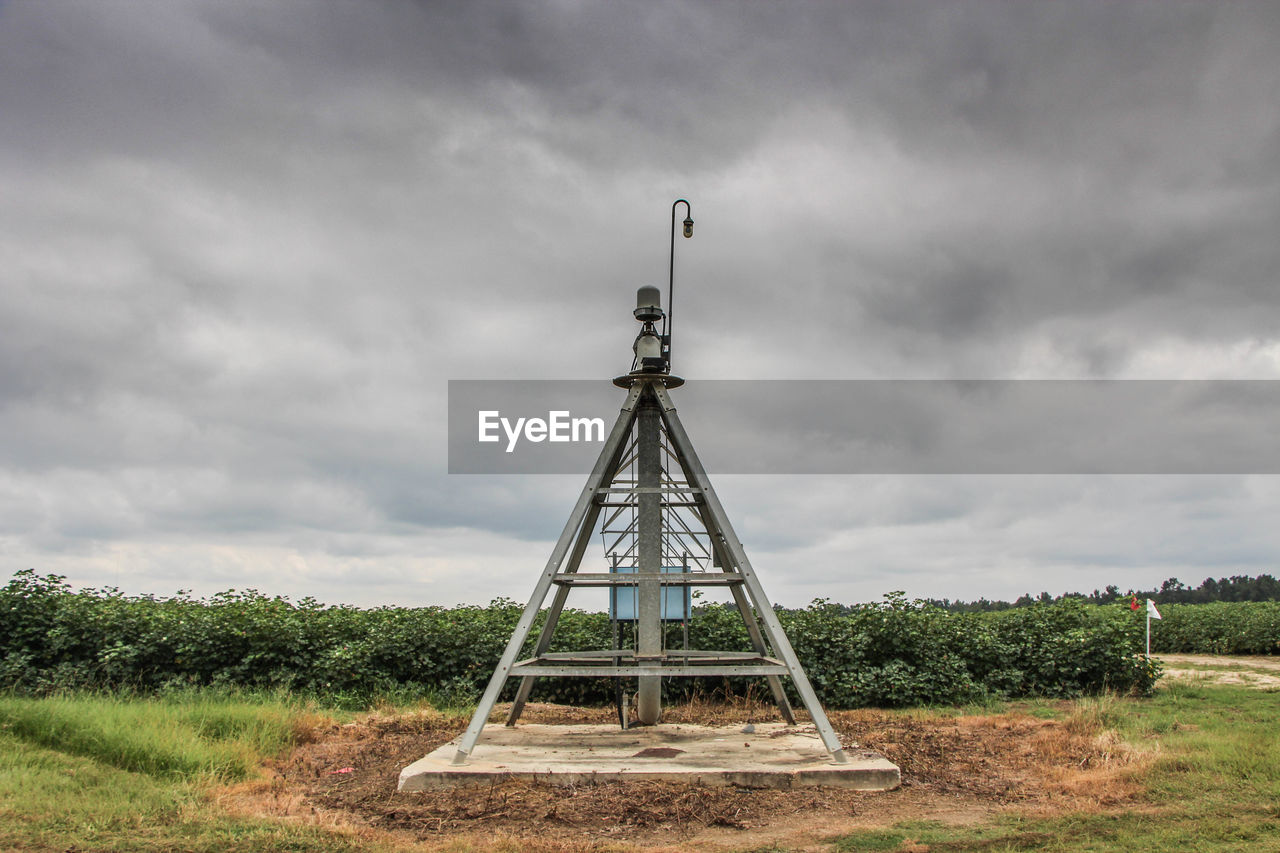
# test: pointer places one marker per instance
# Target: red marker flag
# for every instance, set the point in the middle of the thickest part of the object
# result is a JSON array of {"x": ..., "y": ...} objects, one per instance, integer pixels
[{"x": 1133, "y": 603}]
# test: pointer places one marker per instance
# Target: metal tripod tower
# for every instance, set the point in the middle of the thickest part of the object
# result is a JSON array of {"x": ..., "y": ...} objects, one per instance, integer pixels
[{"x": 665, "y": 531}]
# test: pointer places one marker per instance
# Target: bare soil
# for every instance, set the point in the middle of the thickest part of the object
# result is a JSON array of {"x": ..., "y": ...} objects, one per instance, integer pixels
[
  {"x": 1255, "y": 671},
  {"x": 954, "y": 769}
]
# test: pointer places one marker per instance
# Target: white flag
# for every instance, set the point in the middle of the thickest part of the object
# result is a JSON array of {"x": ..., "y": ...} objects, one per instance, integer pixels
[{"x": 1152, "y": 613}]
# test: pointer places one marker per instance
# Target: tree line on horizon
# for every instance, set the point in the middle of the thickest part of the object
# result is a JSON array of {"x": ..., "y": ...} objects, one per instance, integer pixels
[{"x": 1172, "y": 591}]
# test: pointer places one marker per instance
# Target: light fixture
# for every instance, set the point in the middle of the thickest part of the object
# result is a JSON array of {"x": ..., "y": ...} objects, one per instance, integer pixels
[{"x": 669, "y": 322}]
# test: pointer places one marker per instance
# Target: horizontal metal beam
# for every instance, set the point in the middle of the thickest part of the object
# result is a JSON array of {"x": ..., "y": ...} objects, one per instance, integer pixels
[
  {"x": 659, "y": 670},
  {"x": 630, "y": 654},
  {"x": 648, "y": 490},
  {"x": 664, "y": 578},
  {"x": 664, "y": 504}
]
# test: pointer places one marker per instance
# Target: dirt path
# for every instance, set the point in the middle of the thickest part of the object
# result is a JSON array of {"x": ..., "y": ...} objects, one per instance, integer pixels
[
  {"x": 1253, "y": 671},
  {"x": 955, "y": 769}
]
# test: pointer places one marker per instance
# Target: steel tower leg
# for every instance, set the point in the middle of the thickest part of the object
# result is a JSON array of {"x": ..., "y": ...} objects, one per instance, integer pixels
[
  {"x": 753, "y": 627},
  {"x": 557, "y": 607},
  {"x": 757, "y": 642},
  {"x": 649, "y": 521},
  {"x": 697, "y": 475},
  {"x": 601, "y": 475}
]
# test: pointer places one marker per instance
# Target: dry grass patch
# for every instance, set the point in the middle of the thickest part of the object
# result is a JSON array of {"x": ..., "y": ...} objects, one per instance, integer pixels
[
  {"x": 958, "y": 768},
  {"x": 1066, "y": 763}
]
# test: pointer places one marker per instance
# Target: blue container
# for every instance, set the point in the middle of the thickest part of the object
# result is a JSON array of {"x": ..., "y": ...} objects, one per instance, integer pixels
[{"x": 676, "y": 600}]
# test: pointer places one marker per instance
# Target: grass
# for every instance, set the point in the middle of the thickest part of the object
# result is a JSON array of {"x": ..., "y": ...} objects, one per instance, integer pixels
[
  {"x": 94, "y": 772},
  {"x": 213, "y": 737},
  {"x": 110, "y": 773},
  {"x": 1215, "y": 785}
]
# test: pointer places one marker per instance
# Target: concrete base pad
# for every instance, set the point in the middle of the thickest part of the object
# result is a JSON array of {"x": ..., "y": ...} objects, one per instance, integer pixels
[{"x": 770, "y": 755}]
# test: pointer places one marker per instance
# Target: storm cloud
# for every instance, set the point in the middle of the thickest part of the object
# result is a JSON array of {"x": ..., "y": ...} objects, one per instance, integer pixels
[{"x": 245, "y": 246}]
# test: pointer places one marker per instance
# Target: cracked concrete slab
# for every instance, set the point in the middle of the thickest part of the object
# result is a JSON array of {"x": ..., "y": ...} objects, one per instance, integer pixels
[{"x": 766, "y": 755}]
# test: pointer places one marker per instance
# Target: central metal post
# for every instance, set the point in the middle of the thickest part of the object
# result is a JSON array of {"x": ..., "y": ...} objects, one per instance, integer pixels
[{"x": 649, "y": 523}]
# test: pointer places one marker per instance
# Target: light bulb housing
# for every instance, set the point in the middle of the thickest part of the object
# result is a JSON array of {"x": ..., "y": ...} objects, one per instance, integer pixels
[{"x": 688, "y": 227}]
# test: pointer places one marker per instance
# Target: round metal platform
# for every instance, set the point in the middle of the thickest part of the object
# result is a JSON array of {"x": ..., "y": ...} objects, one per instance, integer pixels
[{"x": 629, "y": 379}]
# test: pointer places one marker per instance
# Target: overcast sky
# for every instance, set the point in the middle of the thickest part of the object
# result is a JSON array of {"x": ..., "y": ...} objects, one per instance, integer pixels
[{"x": 243, "y": 247}]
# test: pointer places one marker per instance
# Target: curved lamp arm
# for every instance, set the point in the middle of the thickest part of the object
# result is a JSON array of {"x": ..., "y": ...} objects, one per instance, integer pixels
[{"x": 668, "y": 324}]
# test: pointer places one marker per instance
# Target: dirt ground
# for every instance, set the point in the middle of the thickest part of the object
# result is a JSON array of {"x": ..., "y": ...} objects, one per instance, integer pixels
[
  {"x": 1252, "y": 671},
  {"x": 954, "y": 769}
]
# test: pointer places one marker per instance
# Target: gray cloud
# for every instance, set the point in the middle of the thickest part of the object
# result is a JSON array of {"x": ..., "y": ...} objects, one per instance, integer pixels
[{"x": 245, "y": 246}]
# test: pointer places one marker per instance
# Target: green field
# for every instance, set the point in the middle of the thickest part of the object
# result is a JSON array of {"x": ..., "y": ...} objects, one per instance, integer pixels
[
  {"x": 92, "y": 772},
  {"x": 891, "y": 653}
]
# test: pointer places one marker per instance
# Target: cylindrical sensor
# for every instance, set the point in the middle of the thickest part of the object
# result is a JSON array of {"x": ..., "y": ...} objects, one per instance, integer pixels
[{"x": 648, "y": 304}]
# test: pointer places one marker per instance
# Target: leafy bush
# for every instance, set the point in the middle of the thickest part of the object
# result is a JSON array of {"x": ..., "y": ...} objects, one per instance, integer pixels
[
  {"x": 1219, "y": 628},
  {"x": 895, "y": 652}
]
